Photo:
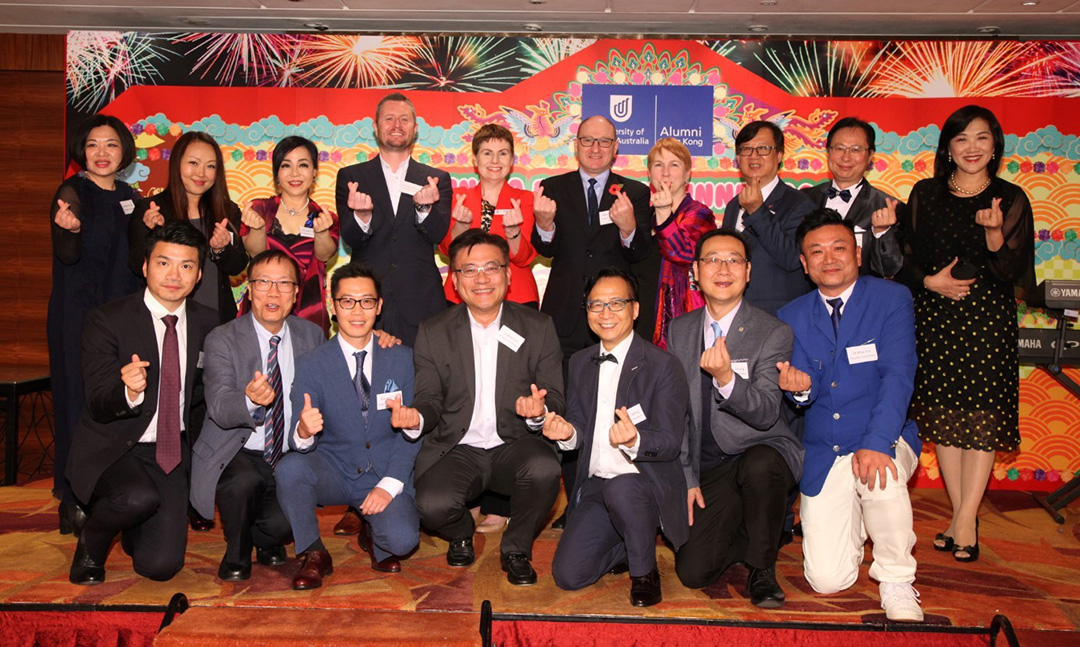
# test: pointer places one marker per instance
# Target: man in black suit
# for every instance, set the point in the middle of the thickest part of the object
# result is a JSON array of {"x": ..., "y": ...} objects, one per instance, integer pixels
[
  {"x": 768, "y": 211},
  {"x": 626, "y": 413},
  {"x": 130, "y": 459},
  {"x": 850, "y": 146},
  {"x": 487, "y": 370}
]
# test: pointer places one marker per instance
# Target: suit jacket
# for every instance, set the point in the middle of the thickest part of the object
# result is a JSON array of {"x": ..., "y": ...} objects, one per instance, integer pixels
[
  {"x": 109, "y": 428},
  {"x": 652, "y": 378},
  {"x": 357, "y": 449},
  {"x": 446, "y": 376},
  {"x": 862, "y": 405},
  {"x": 777, "y": 275},
  {"x": 578, "y": 251},
  {"x": 231, "y": 358},
  {"x": 881, "y": 257},
  {"x": 753, "y": 414},
  {"x": 401, "y": 252}
]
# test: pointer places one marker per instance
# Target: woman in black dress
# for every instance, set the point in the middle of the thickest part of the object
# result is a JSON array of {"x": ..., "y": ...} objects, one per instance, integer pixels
[
  {"x": 89, "y": 234},
  {"x": 969, "y": 242}
]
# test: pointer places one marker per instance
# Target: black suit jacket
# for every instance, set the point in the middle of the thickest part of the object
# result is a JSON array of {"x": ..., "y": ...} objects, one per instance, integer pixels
[
  {"x": 578, "y": 251},
  {"x": 108, "y": 427},
  {"x": 881, "y": 257},
  {"x": 401, "y": 252},
  {"x": 446, "y": 377},
  {"x": 776, "y": 275}
]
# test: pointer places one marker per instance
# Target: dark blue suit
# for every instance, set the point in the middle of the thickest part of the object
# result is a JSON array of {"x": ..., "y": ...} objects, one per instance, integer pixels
[{"x": 350, "y": 456}]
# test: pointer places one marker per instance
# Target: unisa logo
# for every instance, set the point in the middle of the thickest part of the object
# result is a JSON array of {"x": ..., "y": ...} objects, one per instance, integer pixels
[{"x": 621, "y": 107}]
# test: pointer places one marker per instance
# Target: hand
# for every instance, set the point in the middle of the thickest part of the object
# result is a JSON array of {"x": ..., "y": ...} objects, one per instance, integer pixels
[
  {"x": 376, "y": 501},
  {"x": 259, "y": 390},
  {"x": 990, "y": 218},
  {"x": 623, "y": 432},
  {"x": 429, "y": 194},
  {"x": 152, "y": 216},
  {"x": 556, "y": 427},
  {"x": 869, "y": 466},
  {"x": 946, "y": 285},
  {"x": 386, "y": 340},
  {"x": 662, "y": 199},
  {"x": 514, "y": 218},
  {"x": 220, "y": 238},
  {"x": 622, "y": 214},
  {"x": 65, "y": 219},
  {"x": 531, "y": 406},
  {"x": 693, "y": 496},
  {"x": 311, "y": 421},
  {"x": 543, "y": 209},
  {"x": 885, "y": 217},
  {"x": 750, "y": 198},
  {"x": 251, "y": 219},
  {"x": 323, "y": 222},
  {"x": 460, "y": 212},
  {"x": 792, "y": 379},
  {"x": 133, "y": 376},
  {"x": 717, "y": 362},
  {"x": 402, "y": 417},
  {"x": 360, "y": 203}
]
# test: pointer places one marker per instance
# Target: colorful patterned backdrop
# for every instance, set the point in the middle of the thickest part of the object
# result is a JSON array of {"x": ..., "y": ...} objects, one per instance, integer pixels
[{"x": 250, "y": 90}]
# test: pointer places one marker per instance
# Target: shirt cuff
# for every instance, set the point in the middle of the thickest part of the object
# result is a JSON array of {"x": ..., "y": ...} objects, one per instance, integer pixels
[
  {"x": 414, "y": 432},
  {"x": 537, "y": 423},
  {"x": 629, "y": 240},
  {"x": 570, "y": 444},
  {"x": 421, "y": 216},
  {"x": 632, "y": 450},
  {"x": 725, "y": 390},
  {"x": 801, "y": 396},
  {"x": 137, "y": 401},
  {"x": 301, "y": 443},
  {"x": 877, "y": 235},
  {"x": 393, "y": 486},
  {"x": 364, "y": 226},
  {"x": 546, "y": 236}
]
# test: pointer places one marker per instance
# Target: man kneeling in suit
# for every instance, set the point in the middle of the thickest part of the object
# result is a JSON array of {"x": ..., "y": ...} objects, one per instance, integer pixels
[
  {"x": 627, "y": 413},
  {"x": 347, "y": 452},
  {"x": 250, "y": 363},
  {"x": 742, "y": 462}
]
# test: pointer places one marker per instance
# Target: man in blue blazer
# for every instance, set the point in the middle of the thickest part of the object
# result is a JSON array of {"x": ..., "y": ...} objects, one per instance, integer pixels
[
  {"x": 768, "y": 211},
  {"x": 627, "y": 414},
  {"x": 346, "y": 451},
  {"x": 853, "y": 370}
]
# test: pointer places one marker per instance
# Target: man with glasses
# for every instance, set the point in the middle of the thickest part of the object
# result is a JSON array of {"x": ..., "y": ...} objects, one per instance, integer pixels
[
  {"x": 742, "y": 462},
  {"x": 626, "y": 415},
  {"x": 768, "y": 211},
  {"x": 249, "y": 364},
  {"x": 487, "y": 370},
  {"x": 850, "y": 147},
  {"x": 347, "y": 451}
]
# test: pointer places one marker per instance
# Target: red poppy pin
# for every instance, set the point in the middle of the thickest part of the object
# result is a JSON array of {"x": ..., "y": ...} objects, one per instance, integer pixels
[{"x": 615, "y": 189}]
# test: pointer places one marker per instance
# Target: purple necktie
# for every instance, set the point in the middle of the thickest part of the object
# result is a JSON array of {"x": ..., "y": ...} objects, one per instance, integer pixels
[
  {"x": 275, "y": 415},
  {"x": 168, "y": 424}
]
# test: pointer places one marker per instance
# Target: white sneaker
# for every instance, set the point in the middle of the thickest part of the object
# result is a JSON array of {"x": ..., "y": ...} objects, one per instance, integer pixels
[{"x": 900, "y": 601}]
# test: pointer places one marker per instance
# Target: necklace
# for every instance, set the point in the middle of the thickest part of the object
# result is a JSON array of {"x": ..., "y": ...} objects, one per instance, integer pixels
[
  {"x": 291, "y": 211},
  {"x": 956, "y": 187}
]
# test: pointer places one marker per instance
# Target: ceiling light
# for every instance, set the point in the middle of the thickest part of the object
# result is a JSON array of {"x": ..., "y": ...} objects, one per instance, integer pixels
[
  {"x": 532, "y": 26},
  {"x": 537, "y": 1},
  {"x": 195, "y": 22},
  {"x": 989, "y": 30},
  {"x": 317, "y": 26},
  {"x": 768, "y": 3},
  {"x": 758, "y": 28},
  {"x": 1030, "y": 3}
]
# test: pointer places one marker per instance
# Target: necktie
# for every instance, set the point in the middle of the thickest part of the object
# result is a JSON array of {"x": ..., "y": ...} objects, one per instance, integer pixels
[
  {"x": 715, "y": 332},
  {"x": 604, "y": 357},
  {"x": 487, "y": 214},
  {"x": 275, "y": 415},
  {"x": 167, "y": 451},
  {"x": 361, "y": 384},
  {"x": 845, "y": 195},
  {"x": 836, "y": 304},
  {"x": 594, "y": 204}
]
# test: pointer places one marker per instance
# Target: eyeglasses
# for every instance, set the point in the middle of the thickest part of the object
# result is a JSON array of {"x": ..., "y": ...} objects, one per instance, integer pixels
[
  {"x": 854, "y": 150},
  {"x": 264, "y": 285},
  {"x": 732, "y": 263},
  {"x": 762, "y": 151},
  {"x": 348, "y": 303},
  {"x": 604, "y": 142},
  {"x": 472, "y": 271},
  {"x": 615, "y": 305}
]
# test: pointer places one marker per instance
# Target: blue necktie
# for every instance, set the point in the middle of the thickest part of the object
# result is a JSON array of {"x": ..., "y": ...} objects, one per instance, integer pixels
[
  {"x": 845, "y": 195},
  {"x": 715, "y": 332},
  {"x": 836, "y": 304},
  {"x": 361, "y": 384},
  {"x": 594, "y": 204},
  {"x": 275, "y": 414}
]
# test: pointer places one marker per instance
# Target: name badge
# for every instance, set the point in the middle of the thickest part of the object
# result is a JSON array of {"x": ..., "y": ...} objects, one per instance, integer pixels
[
  {"x": 862, "y": 354},
  {"x": 860, "y": 233},
  {"x": 381, "y": 399},
  {"x": 605, "y": 217},
  {"x": 198, "y": 364},
  {"x": 410, "y": 188},
  {"x": 307, "y": 232},
  {"x": 503, "y": 212},
  {"x": 741, "y": 368},
  {"x": 128, "y": 206},
  {"x": 637, "y": 416},
  {"x": 510, "y": 339}
]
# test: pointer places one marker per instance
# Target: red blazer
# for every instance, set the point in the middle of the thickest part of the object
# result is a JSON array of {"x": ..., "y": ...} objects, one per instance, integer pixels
[{"x": 522, "y": 283}]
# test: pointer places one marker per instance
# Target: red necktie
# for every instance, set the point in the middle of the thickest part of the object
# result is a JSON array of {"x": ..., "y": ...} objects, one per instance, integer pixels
[{"x": 168, "y": 423}]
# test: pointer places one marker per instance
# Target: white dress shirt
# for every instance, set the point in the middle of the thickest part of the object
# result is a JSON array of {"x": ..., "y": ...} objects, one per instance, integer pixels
[
  {"x": 482, "y": 431},
  {"x": 838, "y": 203},
  {"x": 766, "y": 191},
  {"x": 257, "y": 440},
  {"x": 710, "y": 340},
  {"x": 157, "y": 312},
  {"x": 394, "y": 180}
]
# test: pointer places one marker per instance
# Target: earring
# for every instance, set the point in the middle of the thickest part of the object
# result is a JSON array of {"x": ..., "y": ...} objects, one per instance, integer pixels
[{"x": 950, "y": 158}]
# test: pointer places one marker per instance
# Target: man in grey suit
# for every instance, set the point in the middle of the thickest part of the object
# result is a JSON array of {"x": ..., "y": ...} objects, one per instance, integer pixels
[
  {"x": 248, "y": 371},
  {"x": 741, "y": 460}
]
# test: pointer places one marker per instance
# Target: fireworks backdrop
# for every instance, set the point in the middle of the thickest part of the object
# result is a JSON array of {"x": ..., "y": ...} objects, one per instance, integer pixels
[{"x": 250, "y": 90}]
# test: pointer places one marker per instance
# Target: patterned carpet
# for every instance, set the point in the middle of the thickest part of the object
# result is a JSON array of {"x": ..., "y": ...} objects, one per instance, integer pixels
[{"x": 1030, "y": 571}]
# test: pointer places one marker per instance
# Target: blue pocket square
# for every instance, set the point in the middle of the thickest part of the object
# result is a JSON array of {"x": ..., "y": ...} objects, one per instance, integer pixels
[{"x": 391, "y": 386}]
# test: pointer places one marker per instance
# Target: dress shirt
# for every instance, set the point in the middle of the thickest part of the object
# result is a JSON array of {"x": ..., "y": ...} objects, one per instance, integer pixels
[
  {"x": 766, "y": 191},
  {"x": 601, "y": 182},
  {"x": 838, "y": 203},
  {"x": 725, "y": 326},
  {"x": 803, "y": 396},
  {"x": 394, "y": 180},
  {"x": 257, "y": 440},
  {"x": 158, "y": 312},
  {"x": 483, "y": 432}
]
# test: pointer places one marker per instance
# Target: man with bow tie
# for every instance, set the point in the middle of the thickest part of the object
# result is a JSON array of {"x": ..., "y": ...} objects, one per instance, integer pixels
[{"x": 850, "y": 147}]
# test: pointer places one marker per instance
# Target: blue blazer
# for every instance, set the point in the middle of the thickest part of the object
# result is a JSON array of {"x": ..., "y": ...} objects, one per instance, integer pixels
[
  {"x": 356, "y": 448},
  {"x": 862, "y": 405},
  {"x": 777, "y": 275}
]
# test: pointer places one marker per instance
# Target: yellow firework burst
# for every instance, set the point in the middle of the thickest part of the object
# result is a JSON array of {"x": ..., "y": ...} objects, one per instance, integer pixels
[{"x": 347, "y": 61}]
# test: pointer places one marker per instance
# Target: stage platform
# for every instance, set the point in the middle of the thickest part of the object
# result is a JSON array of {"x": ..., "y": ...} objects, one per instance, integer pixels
[{"x": 1029, "y": 571}]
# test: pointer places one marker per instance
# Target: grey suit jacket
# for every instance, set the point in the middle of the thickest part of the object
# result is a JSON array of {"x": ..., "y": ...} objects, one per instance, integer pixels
[
  {"x": 881, "y": 257},
  {"x": 230, "y": 359},
  {"x": 752, "y": 415}
]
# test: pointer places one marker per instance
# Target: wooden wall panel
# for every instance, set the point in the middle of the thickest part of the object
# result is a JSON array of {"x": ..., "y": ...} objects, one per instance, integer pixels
[{"x": 32, "y": 52}]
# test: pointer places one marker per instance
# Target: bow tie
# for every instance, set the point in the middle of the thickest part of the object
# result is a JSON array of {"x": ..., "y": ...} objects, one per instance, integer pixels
[
  {"x": 600, "y": 359},
  {"x": 845, "y": 195}
]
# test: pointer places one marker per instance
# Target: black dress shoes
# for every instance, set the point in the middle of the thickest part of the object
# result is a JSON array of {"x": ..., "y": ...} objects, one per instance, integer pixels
[
  {"x": 619, "y": 569},
  {"x": 460, "y": 552},
  {"x": 645, "y": 590},
  {"x": 764, "y": 591},
  {"x": 317, "y": 565},
  {"x": 519, "y": 571},
  {"x": 198, "y": 522},
  {"x": 84, "y": 570},
  {"x": 229, "y": 572},
  {"x": 560, "y": 523},
  {"x": 271, "y": 556},
  {"x": 72, "y": 518}
]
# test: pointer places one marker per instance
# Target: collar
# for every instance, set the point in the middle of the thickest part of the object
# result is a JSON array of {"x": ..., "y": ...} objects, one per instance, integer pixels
[
  {"x": 494, "y": 325},
  {"x": 725, "y": 321},
  {"x": 853, "y": 189},
  {"x": 348, "y": 349},
  {"x": 601, "y": 178},
  {"x": 845, "y": 295},
  {"x": 766, "y": 191},
  {"x": 264, "y": 335},
  {"x": 402, "y": 170},
  {"x": 158, "y": 310},
  {"x": 621, "y": 349}
]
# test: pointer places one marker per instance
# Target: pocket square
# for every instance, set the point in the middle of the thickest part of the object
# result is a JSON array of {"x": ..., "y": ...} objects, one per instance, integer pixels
[{"x": 391, "y": 386}]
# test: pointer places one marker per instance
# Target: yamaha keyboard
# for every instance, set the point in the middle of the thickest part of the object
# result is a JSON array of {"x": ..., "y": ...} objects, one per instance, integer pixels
[{"x": 1037, "y": 346}]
